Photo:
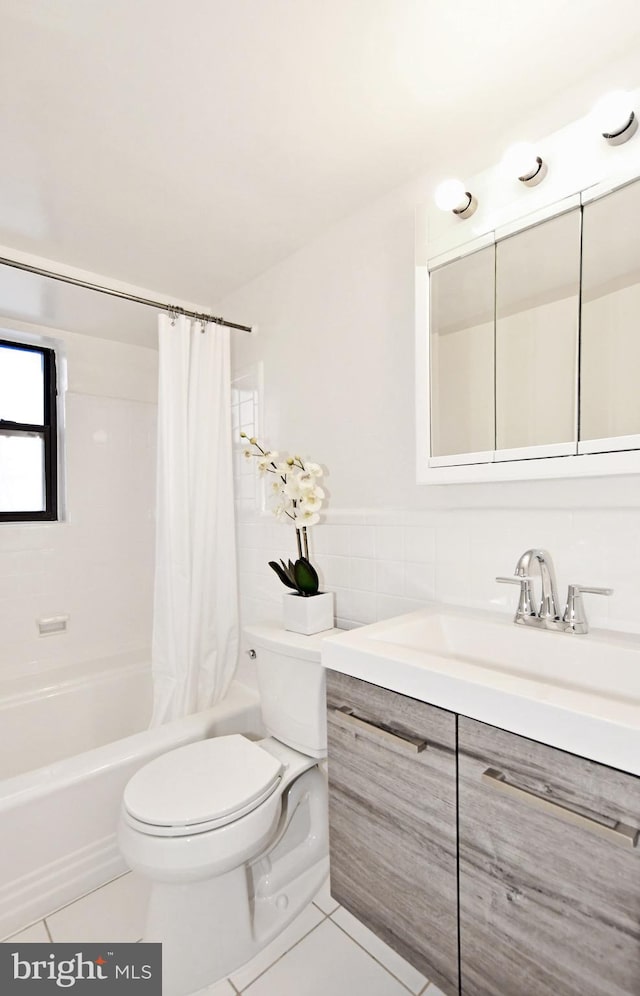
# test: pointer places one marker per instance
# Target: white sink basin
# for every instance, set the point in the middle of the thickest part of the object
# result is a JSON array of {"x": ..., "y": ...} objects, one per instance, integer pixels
[
  {"x": 578, "y": 693},
  {"x": 603, "y": 662}
]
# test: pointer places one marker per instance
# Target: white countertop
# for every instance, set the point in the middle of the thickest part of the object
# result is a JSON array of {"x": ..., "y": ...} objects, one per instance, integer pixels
[{"x": 604, "y": 727}]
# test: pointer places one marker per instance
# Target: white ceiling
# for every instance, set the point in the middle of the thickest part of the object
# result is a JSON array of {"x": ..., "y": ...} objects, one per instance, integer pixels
[{"x": 188, "y": 146}]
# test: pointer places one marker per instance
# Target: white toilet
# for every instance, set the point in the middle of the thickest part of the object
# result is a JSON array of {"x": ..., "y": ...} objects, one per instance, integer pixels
[{"x": 233, "y": 833}]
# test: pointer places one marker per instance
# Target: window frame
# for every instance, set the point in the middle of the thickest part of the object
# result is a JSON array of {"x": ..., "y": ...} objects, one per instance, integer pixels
[{"x": 48, "y": 430}]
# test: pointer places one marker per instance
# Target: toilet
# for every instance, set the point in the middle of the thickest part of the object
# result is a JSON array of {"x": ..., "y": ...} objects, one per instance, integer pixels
[{"x": 232, "y": 833}]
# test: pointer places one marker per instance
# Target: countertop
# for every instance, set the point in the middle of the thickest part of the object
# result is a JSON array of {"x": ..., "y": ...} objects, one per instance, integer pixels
[{"x": 602, "y": 727}]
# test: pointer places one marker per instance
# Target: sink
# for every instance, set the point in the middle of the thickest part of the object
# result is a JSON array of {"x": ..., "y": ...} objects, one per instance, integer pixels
[
  {"x": 580, "y": 693},
  {"x": 603, "y": 662}
]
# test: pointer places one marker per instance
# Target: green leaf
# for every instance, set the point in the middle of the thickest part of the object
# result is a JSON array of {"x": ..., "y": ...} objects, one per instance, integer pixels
[
  {"x": 306, "y": 577},
  {"x": 283, "y": 575},
  {"x": 288, "y": 570}
]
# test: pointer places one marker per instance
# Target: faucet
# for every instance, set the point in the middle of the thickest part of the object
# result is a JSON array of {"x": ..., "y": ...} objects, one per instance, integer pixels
[
  {"x": 547, "y": 615},
  {"x": 549, "y": 593}
]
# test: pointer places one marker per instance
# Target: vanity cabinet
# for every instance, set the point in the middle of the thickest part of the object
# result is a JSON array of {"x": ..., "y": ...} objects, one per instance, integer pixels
[
  {"x": 392, "y": 821},
  {"x": 549, "y": 874},
  {"x": 496, "y": 865}
]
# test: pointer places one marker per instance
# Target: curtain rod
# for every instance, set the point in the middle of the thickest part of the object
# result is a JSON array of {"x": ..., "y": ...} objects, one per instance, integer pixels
[{"x": 171, "y": 308}]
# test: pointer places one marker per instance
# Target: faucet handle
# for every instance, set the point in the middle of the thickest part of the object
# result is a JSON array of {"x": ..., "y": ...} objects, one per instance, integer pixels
[
  {"x": 574, "y": 614},
  {"x": 575, "y": 589},
  {"x": 525, "y": 604}
]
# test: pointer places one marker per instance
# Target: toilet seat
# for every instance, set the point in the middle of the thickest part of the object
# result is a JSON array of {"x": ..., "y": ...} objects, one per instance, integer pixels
[{"x": 201, "y": 786}]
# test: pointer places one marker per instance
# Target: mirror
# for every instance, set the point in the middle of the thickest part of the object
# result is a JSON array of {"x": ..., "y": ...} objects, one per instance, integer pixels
[
  {"x": 537, "y": 313},
  {"x": 610, "y": 343},
  {"x": 533, "y": 347},
  {"x": 462, "y": 305}
]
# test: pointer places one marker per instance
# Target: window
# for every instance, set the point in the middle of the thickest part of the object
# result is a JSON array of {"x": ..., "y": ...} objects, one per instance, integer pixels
[
  {"x": 245, "y": 398},
  {"x": 28, "y": 433}
]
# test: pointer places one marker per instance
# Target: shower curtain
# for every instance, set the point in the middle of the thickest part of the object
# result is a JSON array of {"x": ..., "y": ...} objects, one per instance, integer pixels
[{"x": 195, "y": 615}]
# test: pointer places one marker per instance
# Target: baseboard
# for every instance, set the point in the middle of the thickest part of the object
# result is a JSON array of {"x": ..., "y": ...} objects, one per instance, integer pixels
[{"x": 45, "y": 890}]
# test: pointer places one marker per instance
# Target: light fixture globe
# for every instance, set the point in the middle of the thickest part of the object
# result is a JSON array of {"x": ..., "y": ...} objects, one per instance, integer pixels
[
  {"x": 521, "y": 161},
  {"x": 614, "y": 117},
  {"x": 450, "y": 195}
]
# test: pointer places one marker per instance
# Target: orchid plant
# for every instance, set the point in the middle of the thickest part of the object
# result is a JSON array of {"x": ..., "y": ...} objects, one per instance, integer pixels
[{"x": 298, "y": 497}]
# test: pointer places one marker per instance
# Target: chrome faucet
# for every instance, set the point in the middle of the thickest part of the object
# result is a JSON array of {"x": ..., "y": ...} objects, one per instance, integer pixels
[
  {"x": 549, "y": 593},
  {"x": 547, "y": 615}
]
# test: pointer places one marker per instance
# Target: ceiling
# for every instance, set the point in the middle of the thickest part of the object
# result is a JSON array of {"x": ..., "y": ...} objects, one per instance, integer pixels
[{"x": 188, "y": 146}]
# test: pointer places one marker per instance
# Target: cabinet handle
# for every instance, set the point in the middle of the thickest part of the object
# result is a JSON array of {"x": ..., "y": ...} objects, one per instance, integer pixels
[
  {"x": 345, "y": 717},
  {"x": 617, "y": 833}
]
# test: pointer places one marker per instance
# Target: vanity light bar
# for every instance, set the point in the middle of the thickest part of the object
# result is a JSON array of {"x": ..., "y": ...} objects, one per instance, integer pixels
[{"x": 614, "y": 117}]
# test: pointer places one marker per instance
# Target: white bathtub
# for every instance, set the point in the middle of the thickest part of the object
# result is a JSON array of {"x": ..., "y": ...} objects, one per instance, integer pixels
[{"x": 68, "y": 745}]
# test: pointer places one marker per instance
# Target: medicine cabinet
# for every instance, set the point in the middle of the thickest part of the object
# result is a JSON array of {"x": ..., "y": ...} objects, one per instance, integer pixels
[{"x": 530, "y": 365}]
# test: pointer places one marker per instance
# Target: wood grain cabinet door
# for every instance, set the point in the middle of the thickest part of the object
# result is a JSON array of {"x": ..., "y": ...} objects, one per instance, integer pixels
[
  {"x": 392, "y": 821},
  {"x": 549, "y": 870}
]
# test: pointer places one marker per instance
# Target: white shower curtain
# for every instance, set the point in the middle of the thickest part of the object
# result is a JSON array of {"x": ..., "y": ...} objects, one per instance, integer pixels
[{"x": 195, "y": 617}]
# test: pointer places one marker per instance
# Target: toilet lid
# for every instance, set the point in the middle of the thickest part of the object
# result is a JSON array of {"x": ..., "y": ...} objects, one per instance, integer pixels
[{"x": 203, "y": 781}]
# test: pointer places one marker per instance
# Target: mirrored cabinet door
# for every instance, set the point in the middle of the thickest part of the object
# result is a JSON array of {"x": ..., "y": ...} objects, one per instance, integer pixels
[
  {"x": 462, "y": 302},
  {"x": 537, "y": 322},
  {"x": 610, "y": 347}
]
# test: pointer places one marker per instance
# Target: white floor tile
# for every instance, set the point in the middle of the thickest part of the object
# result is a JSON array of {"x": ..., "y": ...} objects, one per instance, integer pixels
[
  {"x": 37, "y": 932},
  {"x": 116, "y": 912},
  {"x": 397, "y": 965},
  {"x": 324, "y": 900},
  {"x": 223, "y": 988},
  {"x": 308, "y": 919},
  {"x": 433, "y": 991},
  {"x": 326, "y": 962}
]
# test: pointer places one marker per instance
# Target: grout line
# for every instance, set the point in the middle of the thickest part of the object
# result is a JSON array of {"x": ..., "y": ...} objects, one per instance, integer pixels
[
  {"x": 381, "y": 964},
  {"x": 320, "y": 910},
  {"x": 46, "y": 927},
  {"x": 66, "y": 906},
  {"x": 280, "y": 957}
]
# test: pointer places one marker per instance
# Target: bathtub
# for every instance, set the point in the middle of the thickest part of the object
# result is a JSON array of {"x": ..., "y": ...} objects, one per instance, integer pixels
[{"x": 69, "y": 742}]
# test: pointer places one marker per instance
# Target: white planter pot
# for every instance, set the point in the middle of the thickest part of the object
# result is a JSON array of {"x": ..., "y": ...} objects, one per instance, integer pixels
[{"x": 307, "y": 615}]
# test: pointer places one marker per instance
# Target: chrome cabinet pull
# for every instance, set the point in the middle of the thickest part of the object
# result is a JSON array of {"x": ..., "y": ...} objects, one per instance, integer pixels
[
  {"x": 617, "y": 833},
  {"x": 346, "y": 718}
]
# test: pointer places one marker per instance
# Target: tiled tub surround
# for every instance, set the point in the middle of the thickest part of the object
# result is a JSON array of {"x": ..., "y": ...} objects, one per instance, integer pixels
[
  {"x": 95, "y": 566},
  {"x": 77, "y": 739},
  {"x": 385, "y": 563},
  {"x": 324, "y": 952}
]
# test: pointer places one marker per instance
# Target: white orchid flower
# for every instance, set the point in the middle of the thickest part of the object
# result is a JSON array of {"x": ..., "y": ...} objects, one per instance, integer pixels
[
  {"x": 297, "y": 496},
  {"x": 265, "y": 461},
  {"x": 306, "y": 481},
  {"x": 310, "y": 503},
  {"x": 292, "y": 487},
  {"x": 306, "y": 517},
  {"x": 313, "y": 468}
]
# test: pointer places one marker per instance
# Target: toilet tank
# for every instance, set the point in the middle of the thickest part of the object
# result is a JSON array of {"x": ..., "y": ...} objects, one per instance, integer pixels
[{"x": 291, "y": 680}]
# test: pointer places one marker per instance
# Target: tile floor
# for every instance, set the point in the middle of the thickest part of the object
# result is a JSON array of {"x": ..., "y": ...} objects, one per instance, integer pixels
[{"x": 324, "y": 952}]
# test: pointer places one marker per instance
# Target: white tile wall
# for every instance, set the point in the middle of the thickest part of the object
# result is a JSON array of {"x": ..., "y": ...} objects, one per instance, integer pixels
[
  {"x": 382, "y": 564},
  {"x": 97, "y": 565}
]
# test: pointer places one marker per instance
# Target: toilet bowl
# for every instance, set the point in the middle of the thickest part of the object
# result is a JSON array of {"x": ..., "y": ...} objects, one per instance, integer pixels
[{"x": 232, "y": 833}]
